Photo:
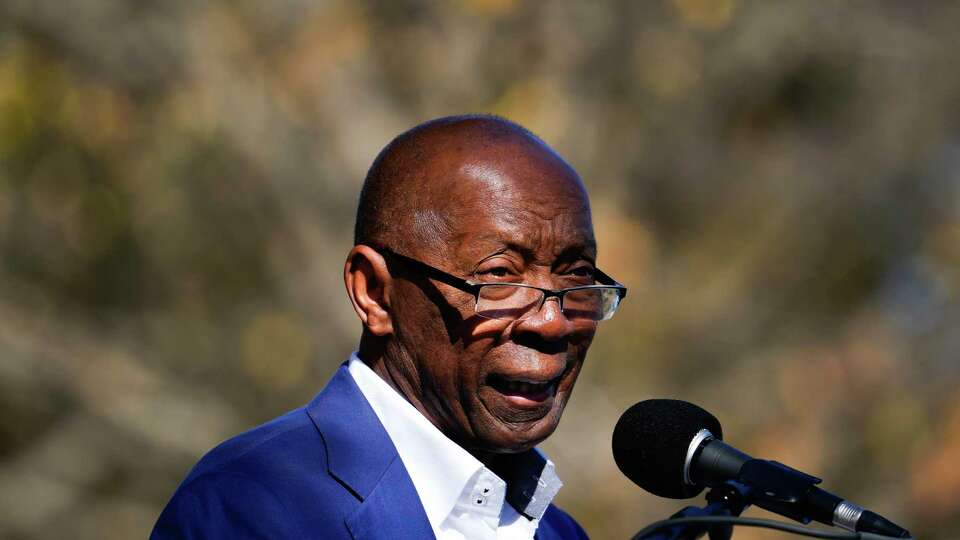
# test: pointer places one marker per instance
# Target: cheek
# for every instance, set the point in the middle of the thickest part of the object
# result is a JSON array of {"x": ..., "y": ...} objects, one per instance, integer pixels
[
  {"x": 425, "y": 318},
  {"x": 582, "y": 335},
  {"x": 443, "y": 336},
  {"x": 579, "y": 343}
]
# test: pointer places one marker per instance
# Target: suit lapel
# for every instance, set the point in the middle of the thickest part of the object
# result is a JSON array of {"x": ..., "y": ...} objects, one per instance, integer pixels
[
  {"x": 392, "y": 510},
  {"x": 361, "y": 456}
]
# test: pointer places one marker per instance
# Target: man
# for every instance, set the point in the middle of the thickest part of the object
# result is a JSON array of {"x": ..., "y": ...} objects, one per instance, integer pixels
[{"x": 474, "y": 277}]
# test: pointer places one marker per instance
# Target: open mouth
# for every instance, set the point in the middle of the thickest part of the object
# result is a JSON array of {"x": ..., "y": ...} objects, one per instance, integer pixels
[{"x": 524, "y": 389}]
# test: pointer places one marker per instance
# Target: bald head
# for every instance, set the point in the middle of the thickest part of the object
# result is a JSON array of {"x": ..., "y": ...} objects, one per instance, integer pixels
[
  {"x": 409, "y": 199},
  {"x": 474, "y": 198}
]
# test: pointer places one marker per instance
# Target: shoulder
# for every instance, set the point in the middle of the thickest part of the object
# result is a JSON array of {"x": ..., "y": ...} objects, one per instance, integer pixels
[
  {"x": 259, "y": 484},
  {"x": 298, "y": 476},
  {"x": 274, "y": 443},
  {"x": 224, "y": 504},
  {"x": 557, "y": 524},
  {"x": 287, "y": 443}
]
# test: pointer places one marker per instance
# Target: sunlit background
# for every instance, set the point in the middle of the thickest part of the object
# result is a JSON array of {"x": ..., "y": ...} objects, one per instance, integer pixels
[{"x": 778, "y": 183}]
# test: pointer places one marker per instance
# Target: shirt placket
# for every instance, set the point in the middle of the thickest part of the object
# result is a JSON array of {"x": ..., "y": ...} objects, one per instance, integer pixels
[{"x": 486, "y": 499}]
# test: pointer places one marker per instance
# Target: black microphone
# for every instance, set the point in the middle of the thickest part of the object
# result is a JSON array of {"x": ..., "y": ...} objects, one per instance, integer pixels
[{"x": 673, "y": 449}]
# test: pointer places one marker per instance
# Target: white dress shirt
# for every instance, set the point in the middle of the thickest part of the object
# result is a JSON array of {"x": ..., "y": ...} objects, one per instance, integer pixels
[{"x": 461, "y": 497}]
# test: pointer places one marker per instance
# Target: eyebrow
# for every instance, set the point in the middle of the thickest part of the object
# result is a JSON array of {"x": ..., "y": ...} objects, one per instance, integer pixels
[
  {"x": 505, "y": 248},
  {"x": 580, "y": 251}
]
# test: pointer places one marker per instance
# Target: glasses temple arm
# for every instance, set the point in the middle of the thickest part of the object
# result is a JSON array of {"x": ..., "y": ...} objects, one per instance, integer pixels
[{"x": 433, "y": 273}]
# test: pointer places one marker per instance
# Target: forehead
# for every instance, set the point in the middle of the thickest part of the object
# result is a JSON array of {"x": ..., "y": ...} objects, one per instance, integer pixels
[{"x": 526, "y": 199}]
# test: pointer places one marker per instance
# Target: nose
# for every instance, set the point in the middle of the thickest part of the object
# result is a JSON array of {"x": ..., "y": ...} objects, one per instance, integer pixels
[{"x": 549, "y": 323}]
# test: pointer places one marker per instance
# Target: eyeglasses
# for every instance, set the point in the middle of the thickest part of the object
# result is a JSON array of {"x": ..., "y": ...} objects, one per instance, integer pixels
[{"x": 516, "y": 301}]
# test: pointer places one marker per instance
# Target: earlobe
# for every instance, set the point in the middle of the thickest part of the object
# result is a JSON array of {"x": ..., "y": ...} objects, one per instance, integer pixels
[{"x": 368, "y": 283}]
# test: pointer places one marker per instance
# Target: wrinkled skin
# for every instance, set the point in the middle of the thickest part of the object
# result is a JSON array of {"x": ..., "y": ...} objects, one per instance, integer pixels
[{"x": 512, "y": 211}]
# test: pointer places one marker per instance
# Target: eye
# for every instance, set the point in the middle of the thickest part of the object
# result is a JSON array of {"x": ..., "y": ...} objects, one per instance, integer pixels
[
  {"x": 582, "y": 271},
  {"x": 496, "y": 271}
]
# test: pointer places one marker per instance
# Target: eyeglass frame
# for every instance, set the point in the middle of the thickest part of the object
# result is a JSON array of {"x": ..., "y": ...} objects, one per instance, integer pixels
[{"x": 473, "y": 287}]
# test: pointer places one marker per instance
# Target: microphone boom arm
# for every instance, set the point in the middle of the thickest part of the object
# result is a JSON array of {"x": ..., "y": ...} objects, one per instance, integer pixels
[{"x": 728, "y": 499}]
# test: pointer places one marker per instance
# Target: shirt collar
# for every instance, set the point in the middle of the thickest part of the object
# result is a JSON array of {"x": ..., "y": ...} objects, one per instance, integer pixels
[{"x": 439, "y": 468}]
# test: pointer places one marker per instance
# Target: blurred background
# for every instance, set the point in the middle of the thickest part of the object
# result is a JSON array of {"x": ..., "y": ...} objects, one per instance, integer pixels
[{"x": 778, "y": 183}]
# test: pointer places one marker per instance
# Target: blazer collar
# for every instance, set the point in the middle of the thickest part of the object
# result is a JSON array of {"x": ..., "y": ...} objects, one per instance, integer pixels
[
  {"x": 361, "y": 456},
  {"x": 358, "y": 448}
]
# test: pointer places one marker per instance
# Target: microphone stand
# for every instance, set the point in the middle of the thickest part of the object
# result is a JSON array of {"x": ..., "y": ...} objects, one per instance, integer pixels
[{"x": 728, "y": 499}]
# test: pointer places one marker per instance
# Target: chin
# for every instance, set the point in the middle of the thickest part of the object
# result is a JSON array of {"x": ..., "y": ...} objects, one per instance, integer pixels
[{"x": 513, "y": 438}]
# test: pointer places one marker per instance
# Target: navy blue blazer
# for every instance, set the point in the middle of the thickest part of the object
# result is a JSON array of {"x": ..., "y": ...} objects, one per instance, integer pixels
[{"x": 328, "y": 470}]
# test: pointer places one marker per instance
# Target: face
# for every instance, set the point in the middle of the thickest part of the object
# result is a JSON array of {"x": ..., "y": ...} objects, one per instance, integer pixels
[{"x": 495, "y": 386}]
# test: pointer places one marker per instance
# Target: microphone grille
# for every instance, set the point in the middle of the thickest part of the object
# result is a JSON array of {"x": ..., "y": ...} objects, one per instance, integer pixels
[{"x": 650, "y": 444}]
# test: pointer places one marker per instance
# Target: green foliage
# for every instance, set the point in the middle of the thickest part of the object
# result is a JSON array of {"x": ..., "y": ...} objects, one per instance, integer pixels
[{"x": 776, "y": 182}]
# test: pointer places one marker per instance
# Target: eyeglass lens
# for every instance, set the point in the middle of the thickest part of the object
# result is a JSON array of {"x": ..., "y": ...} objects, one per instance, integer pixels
[{"x": 512, "y": 302}]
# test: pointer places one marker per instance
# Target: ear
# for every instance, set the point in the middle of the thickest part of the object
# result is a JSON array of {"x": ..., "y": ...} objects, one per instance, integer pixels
[{"x": 368, "y": 283}]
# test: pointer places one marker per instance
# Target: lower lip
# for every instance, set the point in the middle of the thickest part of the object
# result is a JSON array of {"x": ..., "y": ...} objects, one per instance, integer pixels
[{"x": 530, "y": 400}]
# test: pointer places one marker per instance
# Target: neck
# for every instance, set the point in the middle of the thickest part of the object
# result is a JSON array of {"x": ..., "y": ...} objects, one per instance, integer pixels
[{"x": 392, "y": 364}]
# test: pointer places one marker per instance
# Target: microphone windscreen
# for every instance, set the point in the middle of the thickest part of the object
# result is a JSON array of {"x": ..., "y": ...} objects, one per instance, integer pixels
[{"x": 651, "y": 440}]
